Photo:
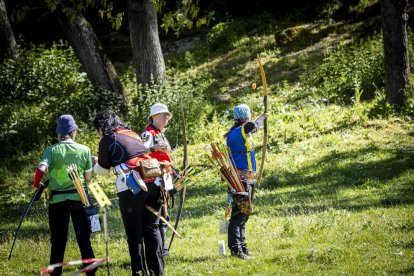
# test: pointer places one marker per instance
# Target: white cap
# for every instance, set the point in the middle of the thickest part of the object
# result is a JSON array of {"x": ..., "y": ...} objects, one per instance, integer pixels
[{"x": 159, "y": 108}]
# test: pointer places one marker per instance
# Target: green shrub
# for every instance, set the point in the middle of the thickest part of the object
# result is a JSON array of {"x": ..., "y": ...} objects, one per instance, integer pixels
[
  {"x": 380, "y": 107},
  {"x": 221, "y": 37},
  {"x": 348, "y": 70},
  {"x": 409, "y": 107},
  {"x": 171, "y": 95},
  {"x": 43, "y": 84}
]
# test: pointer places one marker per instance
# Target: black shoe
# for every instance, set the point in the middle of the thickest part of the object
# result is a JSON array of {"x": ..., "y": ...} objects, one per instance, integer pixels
[
  {"x": 248, "y": 253},
  {"x": 165, "y": 253},
  {"x": 240, "y": 255}
]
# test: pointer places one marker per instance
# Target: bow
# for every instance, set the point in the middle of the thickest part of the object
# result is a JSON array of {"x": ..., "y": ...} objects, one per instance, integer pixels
[
  {"x": 264, "y": 148},
  {"x": 35, "y": 197},
  {"x": 185, "y": 164}
]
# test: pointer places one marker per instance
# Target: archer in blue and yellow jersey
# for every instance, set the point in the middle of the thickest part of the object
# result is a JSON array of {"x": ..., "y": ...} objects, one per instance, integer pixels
[{"x": 241, "y": 146}]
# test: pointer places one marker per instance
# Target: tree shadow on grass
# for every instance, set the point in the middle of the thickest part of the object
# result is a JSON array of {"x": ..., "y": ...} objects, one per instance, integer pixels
[
  {"x": 335, "y": 172},
  {"x": 198, "y": 259},
  {"x": 406, "y": 271},
  {"x": 339, "y": 172}
]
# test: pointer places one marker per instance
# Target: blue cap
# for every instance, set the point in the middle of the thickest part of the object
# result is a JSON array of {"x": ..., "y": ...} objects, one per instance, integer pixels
[
  {"x": 241, "y": 111},
  {"x": 66, "y": 124}
]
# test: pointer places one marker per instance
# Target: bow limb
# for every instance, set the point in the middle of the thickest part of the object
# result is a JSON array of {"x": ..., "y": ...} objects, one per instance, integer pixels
[
  {"x": 35, "y": 197},
  {"x": 264, "y": 147},
  {"x": 185, "y": 164}
]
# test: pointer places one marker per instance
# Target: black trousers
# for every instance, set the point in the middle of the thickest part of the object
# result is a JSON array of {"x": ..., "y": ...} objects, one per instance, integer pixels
[
  {"x": 59, "y": 214},
  {"x": 237, "y": 226},
  {"x": 163, "y": 231},
  {"x": 141, "y": 227}
]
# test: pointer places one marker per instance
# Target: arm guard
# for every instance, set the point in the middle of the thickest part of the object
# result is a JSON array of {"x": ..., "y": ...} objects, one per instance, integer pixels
[{"x": 38, "y": 175}]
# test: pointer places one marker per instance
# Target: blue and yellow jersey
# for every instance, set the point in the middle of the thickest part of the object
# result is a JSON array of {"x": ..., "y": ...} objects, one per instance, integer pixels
[{"x": 242, "y": 148}]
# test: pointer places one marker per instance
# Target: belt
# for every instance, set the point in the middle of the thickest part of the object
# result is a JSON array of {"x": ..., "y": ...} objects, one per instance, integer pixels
[
  {"x": 64, "y": 192},
  {"x": 248, "y": 175}
]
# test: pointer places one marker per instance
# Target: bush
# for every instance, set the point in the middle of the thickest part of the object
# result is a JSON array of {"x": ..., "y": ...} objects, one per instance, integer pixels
[
  {"x": 40, "y": 86},
  {"x": 380, "y": 107},
  {"x": 170, "y": 94},
  {"x": 221, "y": 37},
  {"x": 347, "y": 70}
]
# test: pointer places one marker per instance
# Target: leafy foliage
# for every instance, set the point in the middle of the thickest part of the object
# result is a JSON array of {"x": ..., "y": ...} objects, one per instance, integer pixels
[
  {"x": 349, "y": 69},
  {"x": 221, "y": 37},
  {"x": 170, "y": 94},
  {"x": 380, "y": 107},
  {"x": 43, "y": 84},
  {"x": 337, "y": 186},
  {"x": 184, "y": 17}
]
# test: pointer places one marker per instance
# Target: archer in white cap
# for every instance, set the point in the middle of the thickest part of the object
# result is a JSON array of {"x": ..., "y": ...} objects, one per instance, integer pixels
[{"x": 152, "y": 136}]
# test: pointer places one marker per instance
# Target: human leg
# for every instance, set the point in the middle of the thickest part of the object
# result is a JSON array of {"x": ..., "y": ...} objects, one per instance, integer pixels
[
  {"x": 234, "y": 235},
  {"x": 132, "y": 207},
  {"x": 243, "y": 244},
  {"x": 58, "y": 223},
  {"x": 82, "y": 231},
  {"x": 250, "y": 190},
  {"x": 163, "y": 232},
  {"x": 152, "y": 234}
]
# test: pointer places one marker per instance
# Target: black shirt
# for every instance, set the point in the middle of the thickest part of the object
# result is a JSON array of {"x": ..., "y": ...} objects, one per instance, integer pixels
[{"x": 118, "y": 148}]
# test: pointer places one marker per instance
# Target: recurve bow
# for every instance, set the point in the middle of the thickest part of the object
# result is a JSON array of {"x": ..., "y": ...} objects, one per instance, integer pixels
[
  {"x": 35, "y": 197},
  {"x": 185, "y": 164},
  {"x": 264, "y": 147}
]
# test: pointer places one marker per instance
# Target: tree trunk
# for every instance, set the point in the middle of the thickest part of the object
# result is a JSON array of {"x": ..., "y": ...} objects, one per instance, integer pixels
[
  {"x": 397, "y": 67},
  {"x": 145, "y": 42},
  {"x": 7, "y": 41},
  {"x": 92, "y": 56}
]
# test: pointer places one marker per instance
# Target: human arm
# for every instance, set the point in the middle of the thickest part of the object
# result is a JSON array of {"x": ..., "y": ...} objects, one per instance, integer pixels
[
  {"x": 259, "y": 121},
  {"x": 101, "y": 163},
  {"x": 42, "y": 168},
  {"x": 100, "y": 171},
  {"x": 253, "y": 126},
  {"x": 151, "y": 145},
  {"x": 38, "y": 175},
  {"x": 88, "y": 176}
]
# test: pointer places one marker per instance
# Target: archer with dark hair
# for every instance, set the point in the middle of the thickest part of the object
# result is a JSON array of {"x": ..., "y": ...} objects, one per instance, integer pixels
[
  {"x": 108, "y": 121},
  {"x": 121, "y": 148}
]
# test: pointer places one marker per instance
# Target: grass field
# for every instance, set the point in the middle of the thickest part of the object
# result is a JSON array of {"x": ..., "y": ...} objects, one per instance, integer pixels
[{"x": 334, "y": 201}]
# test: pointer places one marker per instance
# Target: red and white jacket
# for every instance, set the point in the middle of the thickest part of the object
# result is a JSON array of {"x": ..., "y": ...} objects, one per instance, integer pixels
[{"x": 151, "y": 137}]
